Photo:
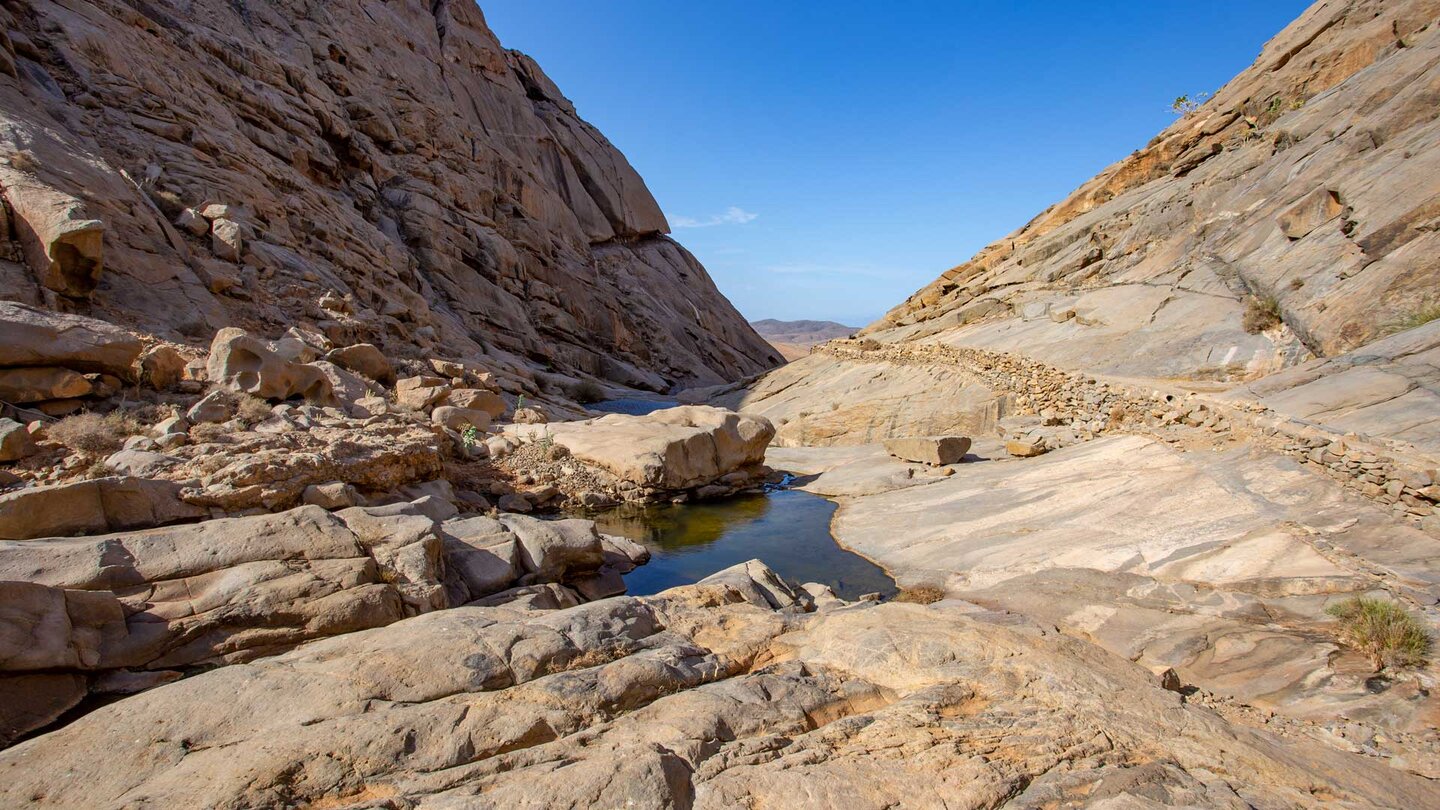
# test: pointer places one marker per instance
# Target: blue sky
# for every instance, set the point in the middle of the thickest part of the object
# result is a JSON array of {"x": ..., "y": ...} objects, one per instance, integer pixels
[{"x": 826, "y": 159}]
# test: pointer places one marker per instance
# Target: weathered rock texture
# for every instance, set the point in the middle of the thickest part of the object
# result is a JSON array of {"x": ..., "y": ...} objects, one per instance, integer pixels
[
  {"x": 704, "y": 696},
  {"x": 122, "y": 612},
  {"x": 1312, "y": 178},
  {"x": 381, "y": 172}
]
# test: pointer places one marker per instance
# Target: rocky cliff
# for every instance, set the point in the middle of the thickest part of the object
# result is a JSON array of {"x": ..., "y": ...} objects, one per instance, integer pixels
[
  {"x": 1306, "y": 191},
  {"x": 380, "y": 172},
  {"x": 1290, "y": 219}
]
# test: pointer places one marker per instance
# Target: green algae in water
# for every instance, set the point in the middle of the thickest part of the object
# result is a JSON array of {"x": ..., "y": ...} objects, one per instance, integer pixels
[{"x": 789, "y": 530}]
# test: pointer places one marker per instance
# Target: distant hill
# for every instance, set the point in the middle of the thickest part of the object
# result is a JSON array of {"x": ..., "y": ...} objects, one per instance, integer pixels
[{"x": 794, "y": 338}]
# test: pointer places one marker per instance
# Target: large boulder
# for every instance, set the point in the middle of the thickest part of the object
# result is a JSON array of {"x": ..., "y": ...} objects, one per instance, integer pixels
[
  {"x": 63, "y": 245},
  {"x": 672, "y": 449},
  {"x": 932, "y": 450},
  {"x": 15, "y": 441},
  {"x": 90, "y": 507},
  {"x": 244, "y": 363},
  {"x": 364, "y": 359},
  {"x": 40, "y": 383},
  {"x": 30, "y": 336},
  {"x": 552, "y": 550}
]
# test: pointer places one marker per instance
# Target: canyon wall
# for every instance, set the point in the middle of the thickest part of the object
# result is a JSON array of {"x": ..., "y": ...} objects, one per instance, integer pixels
[
  {"x": 1289, "y": 219},
  {"x": 380, "y": 172}
]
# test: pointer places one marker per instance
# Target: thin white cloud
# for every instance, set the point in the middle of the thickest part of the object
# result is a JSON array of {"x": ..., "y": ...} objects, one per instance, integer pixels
[
  {"x": 734, "y": 215},
  {"x": 829, "y": 270}
]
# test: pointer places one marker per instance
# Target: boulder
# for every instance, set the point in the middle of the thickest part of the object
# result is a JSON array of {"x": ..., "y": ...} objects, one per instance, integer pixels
[
  {"x": 90, "y": 507},
  {"x": 514, "y": 502},
  {"x": 529, "y": 416},
  {"x": 30, "y": 336},
  {"x": 420, "y": 393},
  {"x": 15, "y": 441},
  {"x": 675, "y": 448},
  {"x": 142, "y": 463},
  {"x": 457, "y": 419},
  {"x": 334, "y": 495},
  {"x": 216, "y": 406},
  {"x": 244, "y": 363},
  {"x": 227, "y": 239},
  {"x": 932, "y": 450},
  {"x": 37, "y": 384},
  {"x": 1021, "y": 448},
  {"x": 364, "y": 359},
  {"x": 161, "y": 368},
  {"x": 63, "y": 245},
  {"x": 477, "y": 399},
  {"x": 482, "y": 557},
  {"x": 552, "y": 549}
]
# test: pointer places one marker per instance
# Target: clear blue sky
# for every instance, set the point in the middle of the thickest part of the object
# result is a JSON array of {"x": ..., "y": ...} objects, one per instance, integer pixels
[{"x": 830, "y": 158}]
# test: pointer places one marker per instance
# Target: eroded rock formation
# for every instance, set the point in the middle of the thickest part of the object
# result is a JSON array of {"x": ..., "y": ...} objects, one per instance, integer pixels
[{"x": 382, "y": 173}]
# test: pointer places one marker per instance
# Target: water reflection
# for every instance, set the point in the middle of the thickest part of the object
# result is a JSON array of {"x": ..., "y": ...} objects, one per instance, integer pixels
[
  {"x": 788, "y": 529},
  {"x": 631, "y": 406}
]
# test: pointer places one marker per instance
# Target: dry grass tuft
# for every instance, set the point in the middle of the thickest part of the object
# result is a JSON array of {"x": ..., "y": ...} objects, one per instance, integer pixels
[
  {"x": 93, "y": 434},
  {"x": 1382, "y": 630},
  {"x": 253, "y": 410},
  {"x": 920, "y": 594},
  {"x": 1261, "y": 312}
]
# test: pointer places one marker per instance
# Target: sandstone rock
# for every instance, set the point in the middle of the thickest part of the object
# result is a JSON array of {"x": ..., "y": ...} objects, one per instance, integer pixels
[
  {"x": 482, "y": 558},
  {"x": 552, "y": 549},
  {"x": 601, "y": 584},
  {"x": 477, "y": 399},
  {"x": 514, "y": 502},
  {"x": 1024, "y": 449},
  {"x": 630, "y": 693},
  {"x": 25, "y": 385},
  {"x": 227, "y": 239},
  {"x": 139, "y": 463},
  {"x": 420, "y": 393},
  {"x": 63, "y": 243},
  {"x": 15, "y": 441},
  {"x": 549, "y": 596},
  {"x": 88, "y": 507},
  {"x": 332, "y": 496},
  {"x": 932, "y": 450},
  {"x": 529, "y": 416},
  {"x": 245, "y": 364},
  {"x": 1310, "y": 212},
  {"x": 676, "y": 448},
  {"x": 34, "y": 700},
  {"x": 623, "y": 554},
  {"x": 35, "y": 337},
  {"x": 161, "y": 368},
  {"x": 365, "y": 359},
  {"x": 217, "y": 406},
  {"x": 458, "y": 419}
]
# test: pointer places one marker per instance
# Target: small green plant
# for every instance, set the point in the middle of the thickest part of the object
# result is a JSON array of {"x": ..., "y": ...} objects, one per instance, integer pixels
[
  {"x": 546, "y": 441},
  {"x": 1420, "y": 316},
  {"x": 1382, "y": 630},
  {"x": 1186, "y": 104},
  {"x": 470, "y": 437},
  {"x": 519, "y": 402},
  {"x": 920, "y": 594},
  {"x": 1261, "y": 313}
]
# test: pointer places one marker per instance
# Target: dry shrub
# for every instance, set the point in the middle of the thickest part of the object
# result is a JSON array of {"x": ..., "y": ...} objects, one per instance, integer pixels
[
  {"x": 253, "y": 410},
  {"x": 209, "y": 432},
  {"x": 867, "y": 344},
  {"x": 920, "y": 594},
  {"x": 1261, "y": 313},
  {"x": 24, "y": 161},
  {"x": 94, "y": 434},
  {"x": 1382, "y": 630},
  {"x": 1117, "y": 417},
  {"x": 586, "y": 392}
]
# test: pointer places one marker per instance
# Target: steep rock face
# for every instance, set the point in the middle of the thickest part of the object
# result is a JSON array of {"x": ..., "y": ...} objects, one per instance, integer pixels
[
  {"x": 1312, "y": 178},
  {"x": 180, "y": 167}
]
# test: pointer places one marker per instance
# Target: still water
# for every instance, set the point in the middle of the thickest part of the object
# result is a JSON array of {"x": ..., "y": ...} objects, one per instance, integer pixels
[{"x": 787, "y": 529}]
